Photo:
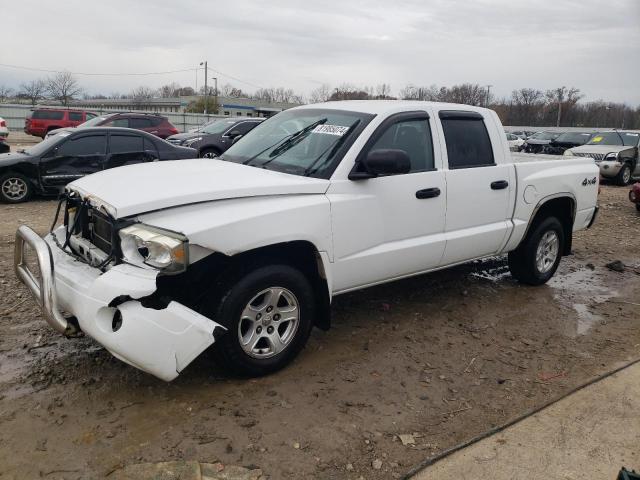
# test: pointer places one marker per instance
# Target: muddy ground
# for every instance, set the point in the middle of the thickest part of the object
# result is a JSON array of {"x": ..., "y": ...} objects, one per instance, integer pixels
[{"x": 438, "y": 359}]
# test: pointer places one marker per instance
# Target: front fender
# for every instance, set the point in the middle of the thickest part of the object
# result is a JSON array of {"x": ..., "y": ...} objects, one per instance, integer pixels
[{"x": 238, "y": 225}]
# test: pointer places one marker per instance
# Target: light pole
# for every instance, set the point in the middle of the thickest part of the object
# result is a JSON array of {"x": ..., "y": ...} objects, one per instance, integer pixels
[
  {"x": 206, "y": 88},
  {"x": 486, "y": 103}
]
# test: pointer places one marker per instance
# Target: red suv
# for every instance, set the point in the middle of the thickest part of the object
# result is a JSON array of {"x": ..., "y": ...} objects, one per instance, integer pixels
[
  {"x": 42, "y": 120},
  {"x": 152, "y": 123}
]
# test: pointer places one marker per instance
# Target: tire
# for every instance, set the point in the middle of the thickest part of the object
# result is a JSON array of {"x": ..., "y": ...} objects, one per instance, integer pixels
[
  {"x": 15, "y": 188},
  {"x": 209, "y": 153},
  {"x": 249, "y": 311},
  {"x": 638, "y": 207},
  {"x": 624, "y": 175},
  {"x": 537, "y": 258}
]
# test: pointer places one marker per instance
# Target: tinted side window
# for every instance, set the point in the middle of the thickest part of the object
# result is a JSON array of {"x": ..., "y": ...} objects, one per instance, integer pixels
[
  {"x": 118, "y": 122},
  {"x": 150, "y": 148},
  {"x": 90, "y": 115},
  {"x": 155, "y": 121},
  {"x": 140, "y": 123},
  {"x": 468, "y": 143},
  {"x": 75, "y": 116},
  {"x": 412, "y": 136},
  {"x": 75, "y": 147},
  {"x": 244, "y": 127},
  {"x": 48, "y": 115},
  {"x": 125, "y": 144}
]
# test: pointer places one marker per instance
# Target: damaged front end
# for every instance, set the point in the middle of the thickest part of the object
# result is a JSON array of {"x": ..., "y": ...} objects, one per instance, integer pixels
[{"x": 80, "y": 271}]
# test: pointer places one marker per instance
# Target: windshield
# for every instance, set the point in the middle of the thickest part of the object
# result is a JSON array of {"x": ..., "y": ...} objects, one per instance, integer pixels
[
  {"x": 545, "y": 135},
  {"x": 94, "y": 122},
  {"x": 307, "y": 142},
  {"x": 218, "y": 126},
  {"x": 47, "y": 143},
  {"x": 629, "y": 139},
  {"x": 579, "y": 138}
]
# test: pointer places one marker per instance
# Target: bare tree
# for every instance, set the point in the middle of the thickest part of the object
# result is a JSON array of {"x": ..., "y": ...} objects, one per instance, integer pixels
[
  {"x": 564, "y": 98},
  {"x": 383, "y": 91},
  {"x": 63, "y": 87},
  {"x": 411, "y": 92},
  {"x": 5, "y": 92},
  {"x": 142, "y": 93},
  {"x": 169, "y": 90},
  {"x": 320, "y": 94}
]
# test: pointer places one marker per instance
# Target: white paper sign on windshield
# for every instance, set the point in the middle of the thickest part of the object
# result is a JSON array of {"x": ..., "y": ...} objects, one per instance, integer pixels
[{"x": 337, "y": 130}]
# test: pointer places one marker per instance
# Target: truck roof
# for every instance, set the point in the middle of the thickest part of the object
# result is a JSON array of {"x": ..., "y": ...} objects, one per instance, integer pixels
[{"x": 391, "y": 106}]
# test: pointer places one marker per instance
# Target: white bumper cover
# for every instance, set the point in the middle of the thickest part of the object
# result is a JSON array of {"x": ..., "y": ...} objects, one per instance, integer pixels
[{"x": 161, "y": 342}]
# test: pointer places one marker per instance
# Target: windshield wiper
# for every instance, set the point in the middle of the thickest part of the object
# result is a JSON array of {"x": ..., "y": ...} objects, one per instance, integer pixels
[
  {"x": 310, "y": 170},
  {"x": 296, "y": 138},
  {"x": 621, "y": 139},
  {"x": 282, "y": 141}
]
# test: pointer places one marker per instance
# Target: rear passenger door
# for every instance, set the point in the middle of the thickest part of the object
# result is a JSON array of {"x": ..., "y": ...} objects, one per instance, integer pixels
[
  {"x": 126, "y": 149},
  {"x": 78, "y": 156},
  {"x": 478, "y": 188}
]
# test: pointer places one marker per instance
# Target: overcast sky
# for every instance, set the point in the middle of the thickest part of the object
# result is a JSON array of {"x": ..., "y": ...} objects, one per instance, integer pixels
[{"x": 589, "y": 44}]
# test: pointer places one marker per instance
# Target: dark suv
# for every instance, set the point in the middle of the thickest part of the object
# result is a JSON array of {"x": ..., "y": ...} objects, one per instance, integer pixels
[
  {"x": 152, "y": 123},
  {"x": 43, "y": 120},
  {"x": 215, "y": 137}
]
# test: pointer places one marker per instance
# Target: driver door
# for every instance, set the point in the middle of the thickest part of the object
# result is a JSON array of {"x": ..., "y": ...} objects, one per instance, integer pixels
[
  {"x": 76, "y": 157},
  {"x": 391, "y": 226}
]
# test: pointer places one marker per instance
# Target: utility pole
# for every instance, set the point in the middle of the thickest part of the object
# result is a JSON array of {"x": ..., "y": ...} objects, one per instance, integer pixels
[
  {"x": 215, "y": 93},
  {"x": 486, "y": 103},
  {"x": 206, "y": 88},
  {"x": 559, "y": 112}
]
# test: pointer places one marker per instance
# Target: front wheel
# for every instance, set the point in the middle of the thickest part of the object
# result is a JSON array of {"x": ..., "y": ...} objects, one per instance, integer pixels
[
  {"x": 624, "y": 175},
  {"x": 268, "y": 314},
  {"x": 209, "y": 153},
  {"x": 15, "y": 188},
  {"x": 638, "y": 207},
  {"x": 536, "y": 260}
]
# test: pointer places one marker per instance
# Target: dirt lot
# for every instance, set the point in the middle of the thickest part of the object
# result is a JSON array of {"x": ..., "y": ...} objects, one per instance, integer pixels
[{"x": 439, "y": 358}]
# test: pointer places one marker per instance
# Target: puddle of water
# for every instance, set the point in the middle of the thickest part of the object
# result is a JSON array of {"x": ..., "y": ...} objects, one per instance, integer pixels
[{"x": 580, "y": 290}]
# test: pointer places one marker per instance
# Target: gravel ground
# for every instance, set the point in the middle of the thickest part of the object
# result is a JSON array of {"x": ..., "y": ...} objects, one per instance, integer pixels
[{"x": 408, "y": 369}]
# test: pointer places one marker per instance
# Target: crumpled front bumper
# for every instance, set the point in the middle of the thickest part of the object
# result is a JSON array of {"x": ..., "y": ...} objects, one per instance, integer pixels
[
  {"x": 161, "y": 342},
  {"x": 609, "y": 168}
]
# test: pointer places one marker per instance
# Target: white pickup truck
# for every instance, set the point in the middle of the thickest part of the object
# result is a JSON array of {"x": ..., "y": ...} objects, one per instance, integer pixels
[{"x": 157, "y": 262}]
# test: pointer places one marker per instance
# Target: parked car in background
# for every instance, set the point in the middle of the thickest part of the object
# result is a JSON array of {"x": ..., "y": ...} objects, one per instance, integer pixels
[
  {"x": 4, "y": 133},
  {"x": 634, "y": 195},
  {"x": 152, "y": 123},
  {"x": 43, "y": 120},
  {"x": 216, "y": 137},
  {"x": 536, "y": 142},
  {"x": 523, "y": 134},
  {"x": 615, "y": 152},
  {"x": 515, "y": 142},
  {"x": 558, "y": 145},
  {"x": 49, "y": 165},
  {"x": 246, "y": 253}
]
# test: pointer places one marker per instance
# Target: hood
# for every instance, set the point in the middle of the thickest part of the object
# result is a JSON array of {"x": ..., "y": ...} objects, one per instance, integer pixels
[
  {"x": 146, "y": 187},
  {"x": 11, "y": 158},
  {"x": 603, "y": 149},
  {"x": 537, "y": 141},
  {"x": 184, "y": 136}
]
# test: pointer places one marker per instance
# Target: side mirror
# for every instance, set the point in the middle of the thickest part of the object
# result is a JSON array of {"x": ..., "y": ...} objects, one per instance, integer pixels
[
  {"x": 236, "y": 138},
  {"x": 234, "y": 134},
  {"x": 382, "y": 162}
]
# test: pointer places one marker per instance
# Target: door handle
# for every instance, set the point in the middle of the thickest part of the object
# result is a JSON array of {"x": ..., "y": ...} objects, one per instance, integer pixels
[
  {"x": 428, "y": 193},
  {"x": 499, "y": 185}
]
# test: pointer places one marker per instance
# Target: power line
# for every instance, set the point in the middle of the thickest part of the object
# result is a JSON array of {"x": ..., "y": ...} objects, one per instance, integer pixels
[
  {"x": 33, "y": 69},
  {"x": 136, "y": 74}
]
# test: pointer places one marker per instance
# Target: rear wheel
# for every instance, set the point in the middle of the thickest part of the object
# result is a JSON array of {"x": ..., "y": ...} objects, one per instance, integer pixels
[
  {"x": 624, "y": 175},
  {"x": 15, "y": 188},
  {"x": 638, "y": 207},
  {"x": 536, "y": 260},
  {"x": 268, "y": 314}
]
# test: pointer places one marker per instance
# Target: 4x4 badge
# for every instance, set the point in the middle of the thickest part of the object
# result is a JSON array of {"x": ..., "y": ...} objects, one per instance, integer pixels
[{"x": 586, "y": 181}]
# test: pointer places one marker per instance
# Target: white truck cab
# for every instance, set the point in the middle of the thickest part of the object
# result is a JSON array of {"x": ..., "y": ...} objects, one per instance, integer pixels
[{"x": 244, "y": 253}]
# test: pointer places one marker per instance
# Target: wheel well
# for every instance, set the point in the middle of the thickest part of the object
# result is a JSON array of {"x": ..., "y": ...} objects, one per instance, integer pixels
[
  {"x": 564, "y": 209},
  {"x": 52, "y": 128},
  {"x": 214, "y": 273},
  {"x": 209, "y": 147}
]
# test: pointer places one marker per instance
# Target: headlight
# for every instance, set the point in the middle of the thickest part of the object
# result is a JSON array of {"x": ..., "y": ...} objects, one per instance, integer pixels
[
  {"x": 569, "y": 153},
  {"x": 611, "y": 156},
  {"x": 161, "y": 249},
  {"x": 191, "y": 141}
]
